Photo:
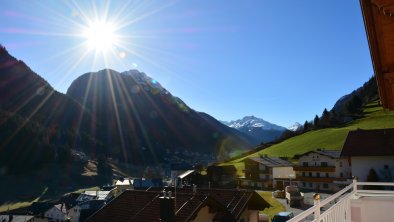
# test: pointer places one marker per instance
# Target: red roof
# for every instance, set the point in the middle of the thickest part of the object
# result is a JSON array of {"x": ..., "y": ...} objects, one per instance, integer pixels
[
  {"x": 134, "y": 205},
  {"x": 378, "y": 142}
]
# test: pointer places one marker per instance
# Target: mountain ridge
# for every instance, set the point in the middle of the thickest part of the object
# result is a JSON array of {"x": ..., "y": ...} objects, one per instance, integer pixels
[{"x": 259, "y": 129}]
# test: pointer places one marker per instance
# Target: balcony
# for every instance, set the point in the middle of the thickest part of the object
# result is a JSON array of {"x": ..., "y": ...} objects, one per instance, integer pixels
[
  {"x": 257, "y": 171},
  {"x": 315, "y": 168},
  {"x": 319, "y": 179},
  {"x": 353, "y": 204}
]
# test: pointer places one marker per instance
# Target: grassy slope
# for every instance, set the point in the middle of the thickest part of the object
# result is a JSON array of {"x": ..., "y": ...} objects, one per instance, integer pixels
[
  {"x": 275, "y": 208},
  {"x": 330, "y": 138}
]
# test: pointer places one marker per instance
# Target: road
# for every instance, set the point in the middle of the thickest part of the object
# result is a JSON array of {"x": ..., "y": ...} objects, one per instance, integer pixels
[{"x": 308, "y": 202}]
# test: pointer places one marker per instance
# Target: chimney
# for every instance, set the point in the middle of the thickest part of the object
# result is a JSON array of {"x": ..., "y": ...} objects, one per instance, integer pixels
[{"x": 167, "y": 207}]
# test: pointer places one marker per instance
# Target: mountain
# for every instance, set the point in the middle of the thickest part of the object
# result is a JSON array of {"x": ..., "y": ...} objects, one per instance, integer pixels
[
  {"x": 143, "y": 122},
  {"x": 37, "y": 123},
  {"x": 259, "y": 129},
  {"x": 366, "y": 93},
  {"x": 127, "y": 116},
  {"x": 295, "y": 127}
]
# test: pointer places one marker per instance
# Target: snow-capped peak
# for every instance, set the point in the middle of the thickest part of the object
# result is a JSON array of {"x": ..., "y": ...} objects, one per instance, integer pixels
[
  {"x": 296, "y": 126},
  {"x": 253, "y": 122}
]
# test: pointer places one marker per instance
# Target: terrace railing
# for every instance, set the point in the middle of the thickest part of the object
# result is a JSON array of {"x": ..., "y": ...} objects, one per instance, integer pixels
[{"x": 337, "y": 207}]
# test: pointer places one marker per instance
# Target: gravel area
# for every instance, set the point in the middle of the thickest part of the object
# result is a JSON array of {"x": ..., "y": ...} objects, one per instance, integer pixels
[{"x": 308, "y": 202}]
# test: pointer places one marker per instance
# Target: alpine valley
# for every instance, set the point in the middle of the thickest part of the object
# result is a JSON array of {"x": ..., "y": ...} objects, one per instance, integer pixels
[{"x": 125, "y": 116}]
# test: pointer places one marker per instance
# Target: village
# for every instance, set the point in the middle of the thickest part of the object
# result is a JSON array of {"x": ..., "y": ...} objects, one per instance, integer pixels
[{"x": 218, "y": 191}]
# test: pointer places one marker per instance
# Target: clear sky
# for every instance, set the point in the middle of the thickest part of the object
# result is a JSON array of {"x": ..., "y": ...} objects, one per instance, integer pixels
[{"x": 280, "y": 60}]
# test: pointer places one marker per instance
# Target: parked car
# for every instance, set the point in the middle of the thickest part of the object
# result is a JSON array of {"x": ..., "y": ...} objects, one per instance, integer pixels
[{"x": 282, "y": 216}]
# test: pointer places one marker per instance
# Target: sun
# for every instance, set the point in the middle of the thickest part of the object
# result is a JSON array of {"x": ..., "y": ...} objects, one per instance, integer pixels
[{"x": 100, "y": 36}]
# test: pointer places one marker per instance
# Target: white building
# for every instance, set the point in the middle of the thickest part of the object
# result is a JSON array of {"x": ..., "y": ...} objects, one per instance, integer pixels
[
  {"x": 74, "y": 213},
  {"x": 370, "y": 149},
  {"x": 57, "y": 213},
  {"x": 122, "y": 185},
  {"x": 322, "y": 170}
]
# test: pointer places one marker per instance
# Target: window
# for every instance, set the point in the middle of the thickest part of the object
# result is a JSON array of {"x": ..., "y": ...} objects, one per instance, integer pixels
[
  {"x": 327, "y": 175},
  {"x": 341, "y": 175},
  {"x": 315, "y": 164},
  {"x": 310, "y": 174},
  {"x": 340, "y": 164},
  {"x": 317, "y": 174},
  {"x": 305, "y": 164},
  {"x": 323, "y": 164},
  {"x": 325, "y": 185},
  {"x": 310, "y": 184},
  {"x": 303, "y": 174},
  {"x": 303, "y": 184}
]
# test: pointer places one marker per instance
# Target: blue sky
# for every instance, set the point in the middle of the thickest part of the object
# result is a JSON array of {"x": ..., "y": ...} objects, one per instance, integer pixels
[{"x": 283, "y": 61}]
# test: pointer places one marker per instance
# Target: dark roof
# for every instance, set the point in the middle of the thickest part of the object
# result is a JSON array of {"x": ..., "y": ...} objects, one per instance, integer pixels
[
  {"x": 271, "y": 161},
  {"x": 40, "y": 207},
  {"x": 223, "y": 169},
  {"x": 379, "y": 142},
  {"x": 330, "y": 153},
  {"x": 134, "y": 205}
]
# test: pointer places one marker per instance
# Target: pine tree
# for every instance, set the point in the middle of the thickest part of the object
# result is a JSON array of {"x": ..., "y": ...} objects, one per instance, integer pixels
[
  {"x": 316, "y": 122},
  {"x": 307, "y": 126},
  {"x": 325, "y": 119}
]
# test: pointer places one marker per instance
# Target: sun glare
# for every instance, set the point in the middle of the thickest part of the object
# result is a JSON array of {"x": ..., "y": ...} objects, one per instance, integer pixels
[{"x": 100, "y": 36}]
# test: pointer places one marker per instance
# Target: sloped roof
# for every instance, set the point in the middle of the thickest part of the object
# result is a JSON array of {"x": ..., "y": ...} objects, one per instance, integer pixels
[
  {"x": 335, "y": 154},
  {"x": 230, "y": 169},
  {"x": 271, "y": 161},
  {"x": 134, "y": 205},
  {"x": 61, "y": 207},
  {"x": 379, "y": 142}
]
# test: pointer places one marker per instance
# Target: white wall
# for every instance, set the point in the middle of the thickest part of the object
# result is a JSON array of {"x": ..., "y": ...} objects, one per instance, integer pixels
[
  {"x": 282, "y": 172},
  {"x": 342, "y": 166},
  {"x": 55, "y": 214},
  {"x": 369, "y": 209},
  {"x": 74, "y": 213},
  {"x": 362, "y": 165},
  {"x": 315, "y": 159}
]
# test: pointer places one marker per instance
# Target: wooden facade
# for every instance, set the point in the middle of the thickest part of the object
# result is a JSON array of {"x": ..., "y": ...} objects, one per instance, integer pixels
[{"x": 379, "y": 24}]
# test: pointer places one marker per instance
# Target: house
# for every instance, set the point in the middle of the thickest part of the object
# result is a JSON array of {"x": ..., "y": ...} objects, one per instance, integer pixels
[
  {"x": 177, "y": 169},
  {"x": 370, "y": 149},
  {"x": 88, "y": 208},
  {"x": 190, "y": 178},
  {"x": 22, "y": 218},
  {"x": 266, "y": 172},
  {"x": 100, "y": 194},
  {"x": 322, "y": 170},
  {"x": 57, "y": 213},
  {"x": 183, "y": 205},
  {"x": 73, "y": 214},
  {"x": 122, "y": 185},
  {"x": 143, "y": 183},
  {"x": 222, "y": 176}
]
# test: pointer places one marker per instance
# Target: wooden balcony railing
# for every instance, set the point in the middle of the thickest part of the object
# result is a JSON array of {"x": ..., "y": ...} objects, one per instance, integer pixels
[
  {"x": 315, "y": 168},
  {"x": 319, "y": 179}
]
